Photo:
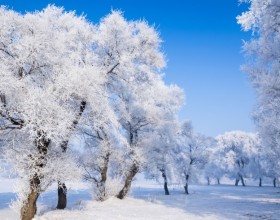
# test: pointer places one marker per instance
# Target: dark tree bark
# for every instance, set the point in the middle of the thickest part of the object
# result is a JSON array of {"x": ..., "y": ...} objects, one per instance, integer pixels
[
  {"x": 218, "y": 180},
  {"x": 29, "y": 208},
  {"x": 101, "y": 184},
  {"x": 186, "y": 187},
  {"x": 236, "y": 182},
  {"x": 242, "y": 180},
  {"x": 240, "y": 177},
  {"x": 62, "y": 196},
  {"x": 260, "y": 182},
  {"x": 61, "y": 188},
  {"x": 133, "y": 136},
  {"x": 274, "y": 182},
  {"x": 166, "y": 191},
  {"x": 208, "y": 181},
  {"x": 128, "y": 181},
  {"x": 105, "y": 168}
]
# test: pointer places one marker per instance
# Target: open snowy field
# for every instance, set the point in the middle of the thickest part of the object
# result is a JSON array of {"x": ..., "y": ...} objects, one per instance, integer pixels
[{"x": 148, "y": 202}]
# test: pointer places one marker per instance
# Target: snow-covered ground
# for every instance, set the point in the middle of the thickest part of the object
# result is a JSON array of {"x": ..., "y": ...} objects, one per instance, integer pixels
[{"x": 148, "y": 202}]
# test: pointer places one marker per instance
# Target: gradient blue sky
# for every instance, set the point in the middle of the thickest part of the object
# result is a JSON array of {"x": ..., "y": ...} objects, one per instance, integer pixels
[{"x": 202, "y": 42}]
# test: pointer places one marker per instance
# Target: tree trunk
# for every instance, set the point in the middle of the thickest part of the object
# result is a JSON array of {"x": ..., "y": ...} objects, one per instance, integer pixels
[
  {"x": 240, "y": 177},
  {"x": 166, "y": 191},
  {"x": 105, "y": 168},
  {"x": 242, "y": 180},
  {"x": 101, "y": 185},
  {"x": 260, "y": 183},
  {"x": 274, "y": 182},
  {"x": 128, "y": 180},
  {"x": 186, "y": 187},
  {"x": 61, "y": 188},
  {"x": 236, "y": 181},
  {"x": 208, "y": 181},
  {"x": 218, "y": 180},
  {"x": 62, "y": 196},
  {"x": 29, "y": 208},
  {"x": 100, "y": 193}
]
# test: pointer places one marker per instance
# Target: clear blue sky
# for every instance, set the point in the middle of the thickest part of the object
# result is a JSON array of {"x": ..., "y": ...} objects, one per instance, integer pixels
[{"x": 202, "y": 42}]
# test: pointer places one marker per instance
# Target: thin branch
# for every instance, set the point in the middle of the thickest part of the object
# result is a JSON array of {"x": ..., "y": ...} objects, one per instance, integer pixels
[{"x": 112, "y": 69}]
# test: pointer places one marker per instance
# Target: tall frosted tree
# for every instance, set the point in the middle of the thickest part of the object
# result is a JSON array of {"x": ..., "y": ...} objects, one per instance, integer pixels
[
  {"x": 148, "y": 109},
  {"x": 102, "y": 158},
  {"x": 263, "y": 66},
  {"x": 47, "y": 71},
  {"x": 159, "y": 154},
  {"x": 161, "y": 139},
  {"x": 60, "y": 74},
  {"x": 132, "y": 50}
]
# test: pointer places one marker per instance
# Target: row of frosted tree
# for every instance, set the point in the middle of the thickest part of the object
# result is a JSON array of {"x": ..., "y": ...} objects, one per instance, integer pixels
[
  {"x": 83, "y": 101},
  {"x": 64, "y": 78}
]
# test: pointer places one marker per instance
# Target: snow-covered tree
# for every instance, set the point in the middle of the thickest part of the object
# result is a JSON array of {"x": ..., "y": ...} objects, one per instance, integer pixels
[
  {"x": 48, "y": 74},
  {"x": 259, "y": 162},
  {"x": 132, "y": 50},
  {"x": 266, "y": 165},
  {"x": 236, "y": 148},
  {"x": 161, "y": 142},
  {"x": 102, "y": 159},
  {"x": 148, "y": 111},
  {"x": 213, "y": 168},
  {"x": 60, "y": 75},
  {"x": 263, "y": 53},
  {"x": 159, "y": 154},
  {"x": 192, "y": 153}
]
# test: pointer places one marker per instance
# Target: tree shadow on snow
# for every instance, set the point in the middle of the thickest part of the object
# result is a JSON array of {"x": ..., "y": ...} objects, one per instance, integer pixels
[{"x": 223, "y": 201}]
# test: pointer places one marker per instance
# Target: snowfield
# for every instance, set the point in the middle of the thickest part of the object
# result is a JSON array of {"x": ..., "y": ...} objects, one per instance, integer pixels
[{"x": 148, "y": 202}]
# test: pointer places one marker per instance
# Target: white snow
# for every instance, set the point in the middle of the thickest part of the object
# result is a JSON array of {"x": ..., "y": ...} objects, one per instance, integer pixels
[{"x": 146, "y": 201}]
